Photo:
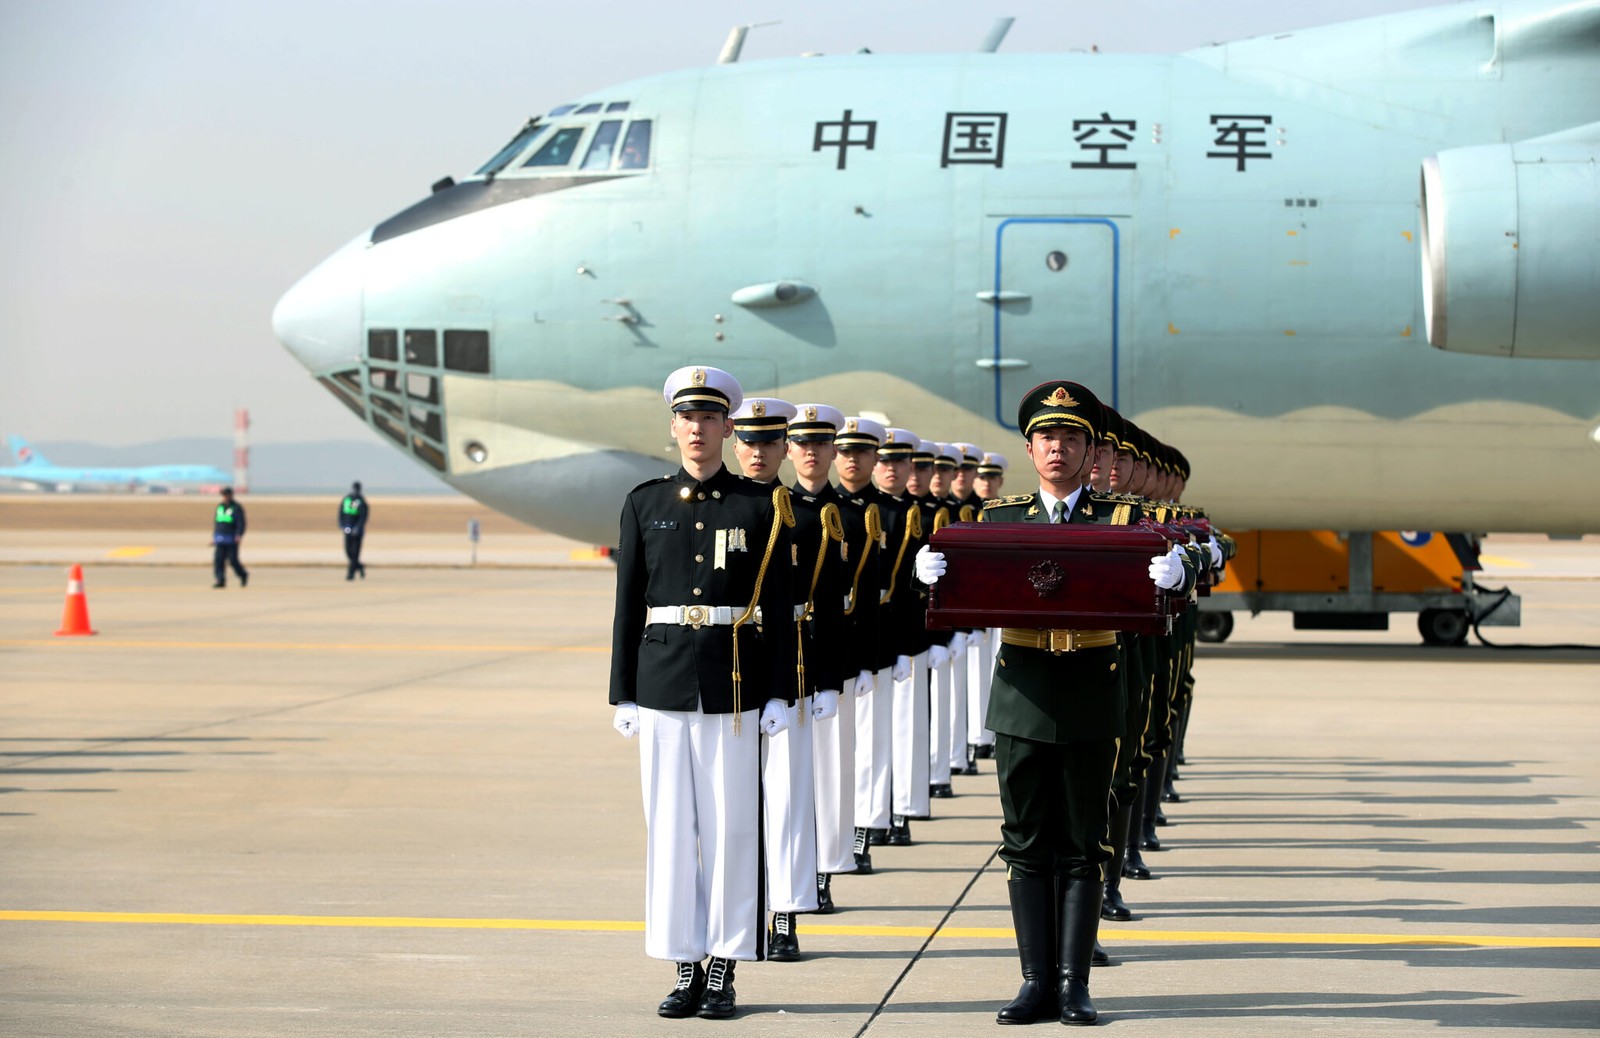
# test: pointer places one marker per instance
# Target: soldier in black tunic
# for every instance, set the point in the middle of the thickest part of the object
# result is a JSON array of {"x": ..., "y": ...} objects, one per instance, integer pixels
[{"x": 695, "y": 678}]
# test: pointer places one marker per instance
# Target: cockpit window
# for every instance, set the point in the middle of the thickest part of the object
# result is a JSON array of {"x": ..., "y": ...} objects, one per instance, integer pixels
[
  {"x": 589, "y": 109},
  {"x": 524, "y": 137},
  {"x": 557, "y": 151},
  {"x": 605, "y": 140},
  {"x": 617, "y": 106},
  {"x": 636, "y": 146},
  {"x": 561, "y": 110}
]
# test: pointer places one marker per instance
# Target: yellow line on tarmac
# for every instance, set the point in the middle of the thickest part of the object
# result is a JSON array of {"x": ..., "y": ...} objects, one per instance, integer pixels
[
  {"x": 303, "y": 646},
  {"x": 830, "y": 930}
]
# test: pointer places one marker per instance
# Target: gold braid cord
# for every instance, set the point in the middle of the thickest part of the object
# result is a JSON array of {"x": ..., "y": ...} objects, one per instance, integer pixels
[
  {"x": 832, "y": 526},
  {"x": 782, "y": 515},
  {"x": 968, "y": 513},
  {"x": 874, "y": 530},
  {"x": 941, "y": 519},
  {"x": 913, "y": 529}
]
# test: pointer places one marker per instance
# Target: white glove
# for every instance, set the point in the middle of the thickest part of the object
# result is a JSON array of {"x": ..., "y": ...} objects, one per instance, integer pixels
[
  {"x": 929, "y": 565},
  {"x": 774, "y": 718},
  {"x": 1167, "y": 572},
  {"x": 626, "y": 721},
  {"x": 938, "y": 655},
  {"x": 1216, "y": 553},
  {"x": 958, "y": 644},
  {"x": 902, "y": 667},
  {"x": 824, "y": 704},
  {"x": 863, "y": 683}
]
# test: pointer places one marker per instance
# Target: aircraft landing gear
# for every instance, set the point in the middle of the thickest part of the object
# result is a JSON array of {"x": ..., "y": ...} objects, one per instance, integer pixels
[{"x": 1443, "y": 626}]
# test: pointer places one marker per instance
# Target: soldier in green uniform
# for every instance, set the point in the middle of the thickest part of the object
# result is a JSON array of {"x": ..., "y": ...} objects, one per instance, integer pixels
[{"x": 1057, "y": 710}]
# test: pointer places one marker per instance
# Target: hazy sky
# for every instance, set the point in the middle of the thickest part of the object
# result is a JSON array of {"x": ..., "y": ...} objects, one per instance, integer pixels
[{"x": 171, "y": 167}]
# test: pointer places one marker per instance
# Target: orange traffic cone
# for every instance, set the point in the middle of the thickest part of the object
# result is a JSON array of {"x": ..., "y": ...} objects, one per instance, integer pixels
[{"x": 75, "y": 617}]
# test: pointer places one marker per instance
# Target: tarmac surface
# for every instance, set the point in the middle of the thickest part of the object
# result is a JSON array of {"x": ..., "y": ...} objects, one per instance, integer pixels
[{"x": 396, "y": 807}]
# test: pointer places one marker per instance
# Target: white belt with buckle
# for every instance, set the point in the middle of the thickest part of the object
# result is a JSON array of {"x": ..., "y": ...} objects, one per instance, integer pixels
[{"x": 696, "y": 616}]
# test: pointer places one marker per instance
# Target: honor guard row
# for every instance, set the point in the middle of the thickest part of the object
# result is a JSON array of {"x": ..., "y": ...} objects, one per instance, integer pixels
[{"x": 771, "y": 650}]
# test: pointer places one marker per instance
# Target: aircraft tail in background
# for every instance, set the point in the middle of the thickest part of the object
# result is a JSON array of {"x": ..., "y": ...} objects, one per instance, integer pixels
[{"x": 26, "y": 456}]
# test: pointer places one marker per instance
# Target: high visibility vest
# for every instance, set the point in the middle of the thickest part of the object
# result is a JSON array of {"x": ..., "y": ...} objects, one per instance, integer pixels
[
  {"x": 225, "y": 514},
  {"x": 352, "y": 506}
]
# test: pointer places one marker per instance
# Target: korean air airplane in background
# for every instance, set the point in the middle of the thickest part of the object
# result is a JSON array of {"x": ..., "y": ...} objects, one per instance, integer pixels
[
  {"x": 1352, "y": 272},
  {"x": 34, "y": 471}
]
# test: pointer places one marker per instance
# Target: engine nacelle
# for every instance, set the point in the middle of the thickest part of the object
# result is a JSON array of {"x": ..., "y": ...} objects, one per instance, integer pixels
[{"x": 1511, "y": 247}]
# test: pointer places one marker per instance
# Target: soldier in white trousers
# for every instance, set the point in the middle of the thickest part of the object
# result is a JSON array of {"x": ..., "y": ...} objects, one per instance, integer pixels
[{"x": 904, "y": 627}]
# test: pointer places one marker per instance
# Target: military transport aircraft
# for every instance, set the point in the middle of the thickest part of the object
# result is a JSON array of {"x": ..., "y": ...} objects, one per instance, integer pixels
[
  {"x": 34, "y": 471},
  {"x": 1353, "y": 272}
]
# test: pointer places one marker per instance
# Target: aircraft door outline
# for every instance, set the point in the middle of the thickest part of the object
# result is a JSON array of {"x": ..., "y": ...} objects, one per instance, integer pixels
[{"x": 998, "y": 298}]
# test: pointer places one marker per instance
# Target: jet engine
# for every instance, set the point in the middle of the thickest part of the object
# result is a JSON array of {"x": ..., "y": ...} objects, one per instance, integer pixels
[{"x": 1511, "y": 247}]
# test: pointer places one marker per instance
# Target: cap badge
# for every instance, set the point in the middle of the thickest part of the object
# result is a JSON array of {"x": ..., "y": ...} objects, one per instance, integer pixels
[
  {"x": 697, "y": 377},
  {"x": 758, "y": 409},
  {"x": 811, "y": 414},
  {"x": 889, "y": 438},
  {"x": 849, "y": 425},
  {"x": 1060, "y": 398}
]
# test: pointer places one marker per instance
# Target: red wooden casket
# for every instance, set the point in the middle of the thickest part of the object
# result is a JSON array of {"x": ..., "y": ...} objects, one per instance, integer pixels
[{"x": 1049, "y": 576}]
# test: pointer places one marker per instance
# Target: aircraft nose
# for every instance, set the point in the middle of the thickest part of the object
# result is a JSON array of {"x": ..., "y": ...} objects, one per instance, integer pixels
[{"x": 319, "y": 319}]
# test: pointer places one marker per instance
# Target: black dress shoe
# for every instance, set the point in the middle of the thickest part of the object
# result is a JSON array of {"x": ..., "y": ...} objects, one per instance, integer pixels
[
  {"x": 244, "y": 580},
  {"x": 972, "y": 761},
  {"x": 824, "y": 894},
  {"x": 782, "y": 944},
  {"x": 877, "y": 837},
  {"x": 986, "y": 751},
  {"x": 942, "y": 790},
  {"x": 899, "y": 832},
  {"x": 718, "y": 1002},
  {"x": 219, "y": 584},
  {"x": 684, "y": 1000}
]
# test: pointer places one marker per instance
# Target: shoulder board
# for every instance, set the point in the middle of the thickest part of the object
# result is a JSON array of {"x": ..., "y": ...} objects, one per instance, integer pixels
[{"x": 1001, "y": 502}]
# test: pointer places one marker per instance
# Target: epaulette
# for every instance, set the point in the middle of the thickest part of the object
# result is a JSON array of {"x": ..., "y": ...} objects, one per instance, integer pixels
[
  {"x": 1001, "y": 502},
  {"x": 652, "y": 482}
]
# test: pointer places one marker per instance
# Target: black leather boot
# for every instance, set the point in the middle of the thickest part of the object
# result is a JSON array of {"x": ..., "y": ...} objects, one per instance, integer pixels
[
  {"x": 824, "y": 894},
  {"x": 1152, "y": 803},
  {"x": 684, "y": 999},
  {"x": 899, "y": 831},
  {"x": 878, "y": 837},
  {"x": 718, "y": 1002},
  {"x": 782, "y": 944},
  {"x": 1080, "y": 919},
  {"x": 1113, "y": 907},
  {"x": 1168, "y": 794},
  {"x": 972, "y": 760},
  {"x": 863, "y": 855},
  {"x": 1033, "y": 914},
  {"x": 1133, "y": 866}
]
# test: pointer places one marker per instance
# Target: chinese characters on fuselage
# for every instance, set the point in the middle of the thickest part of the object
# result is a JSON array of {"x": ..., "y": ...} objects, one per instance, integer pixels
[{"x": 979, "y": 139}]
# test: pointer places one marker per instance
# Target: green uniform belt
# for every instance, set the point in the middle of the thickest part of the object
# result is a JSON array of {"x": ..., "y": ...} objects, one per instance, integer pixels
[{"x": 1056, "y": 641}]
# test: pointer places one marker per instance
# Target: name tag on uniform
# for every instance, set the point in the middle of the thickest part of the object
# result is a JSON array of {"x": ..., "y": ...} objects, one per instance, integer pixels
[{"x": 663, "y": 524}]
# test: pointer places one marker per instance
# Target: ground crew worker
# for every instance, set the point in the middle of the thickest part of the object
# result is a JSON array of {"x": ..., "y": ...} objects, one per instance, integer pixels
[
  {"x": 830, "y": 666},
  {"x": 692, "y": 674},
  {"x": 1057, "y": 711},
  {"x": 227, "y": 531},
  {"x": 856, "y": 451},
  {"x": 353, "y": 521},
  {"x": 789, "y": 815},
  {"x": 904, "y": 621}
]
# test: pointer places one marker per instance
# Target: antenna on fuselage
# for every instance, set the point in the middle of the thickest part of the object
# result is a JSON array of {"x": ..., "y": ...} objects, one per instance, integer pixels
[
  {"x": 991, "y": 42},
  {"x": 735, "y": 41}
]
